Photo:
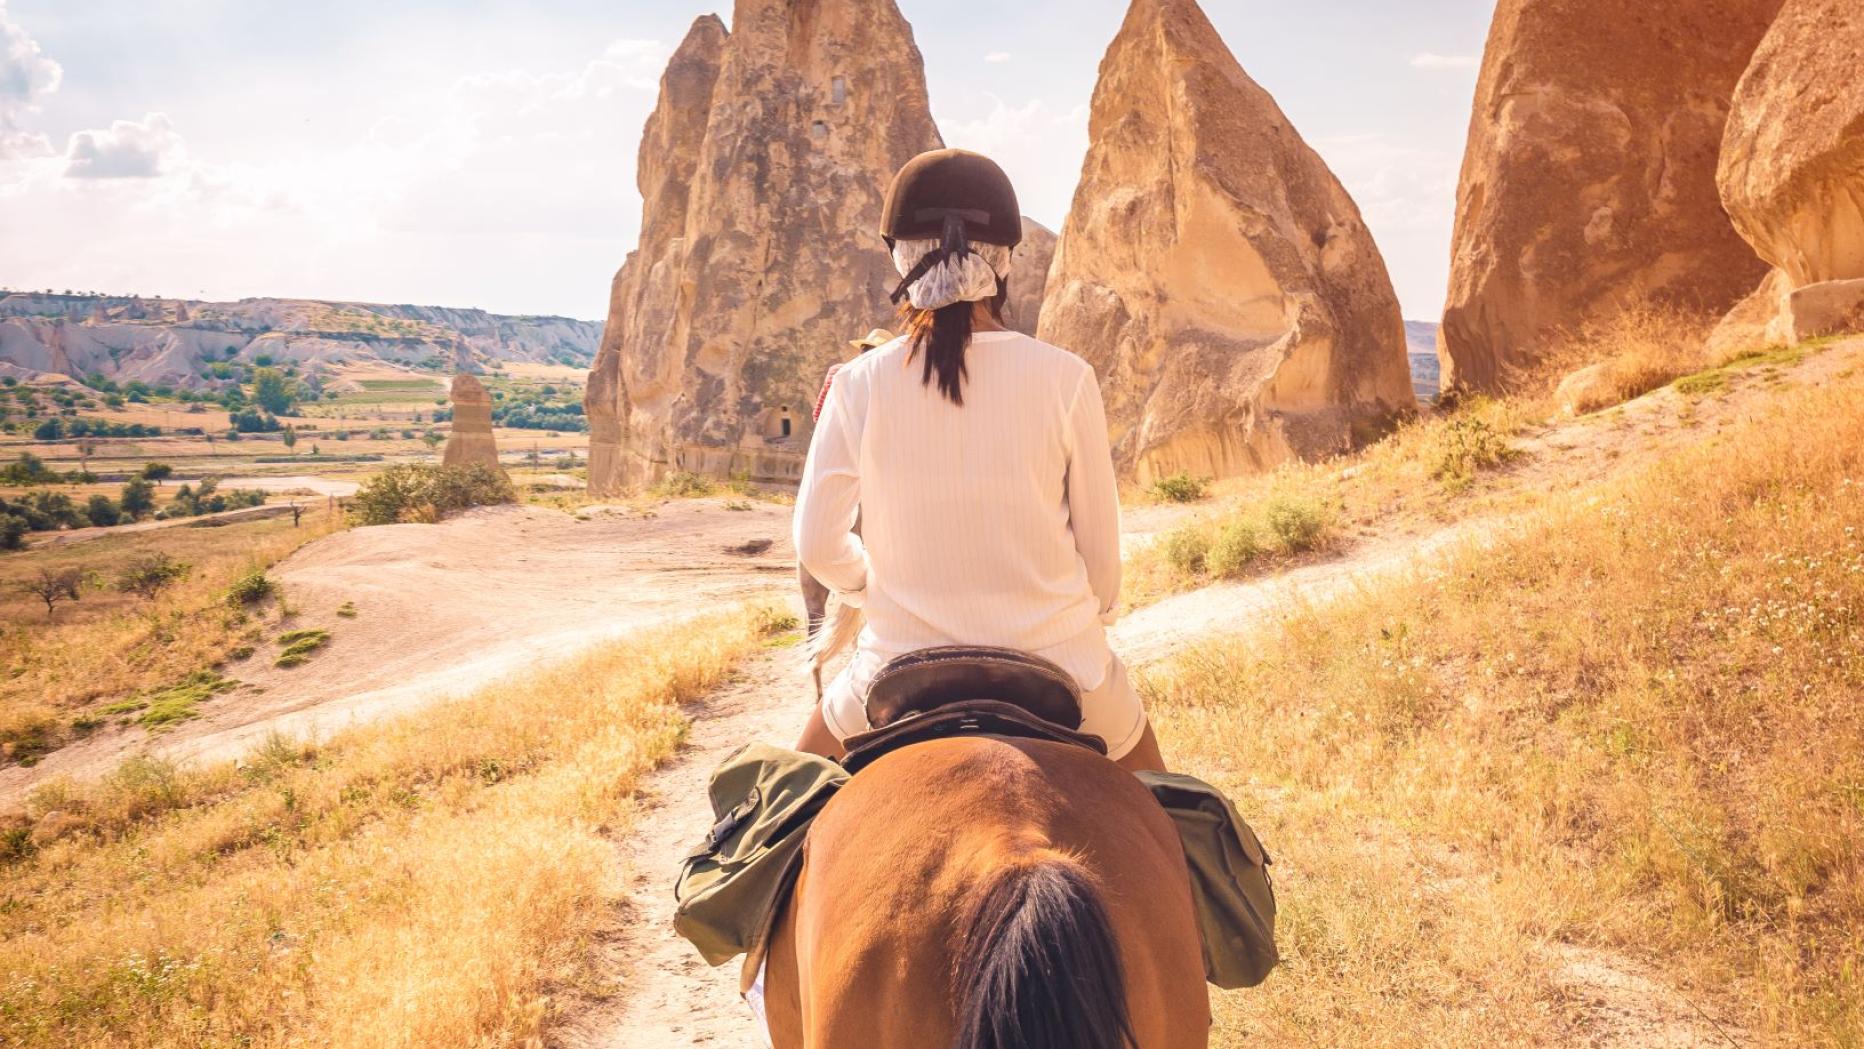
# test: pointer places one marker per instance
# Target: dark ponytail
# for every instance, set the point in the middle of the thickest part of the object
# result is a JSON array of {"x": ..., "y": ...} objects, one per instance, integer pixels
[{"x": 943, "y": 335}]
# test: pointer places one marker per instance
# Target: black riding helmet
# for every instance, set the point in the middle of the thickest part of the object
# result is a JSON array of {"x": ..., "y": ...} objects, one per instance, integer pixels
[{"x": 955, "y": 196}]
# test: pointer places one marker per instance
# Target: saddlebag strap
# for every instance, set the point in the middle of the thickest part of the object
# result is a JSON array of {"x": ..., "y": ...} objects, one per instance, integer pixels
[
  {"x": 976, "y": 717},
  {"x": 929, "y": 679}
]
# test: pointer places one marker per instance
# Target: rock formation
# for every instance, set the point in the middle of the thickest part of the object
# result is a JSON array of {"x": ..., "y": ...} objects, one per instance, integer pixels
[
  {"x": 1589, "y": 181},
  {"x": 1792, "y": 172},
  {"x": 1029, "y": 269},
  {"x": 471, "y": 438},
  {"x": 762, "y": 172},
  {"x": 1214, "y": 271}
]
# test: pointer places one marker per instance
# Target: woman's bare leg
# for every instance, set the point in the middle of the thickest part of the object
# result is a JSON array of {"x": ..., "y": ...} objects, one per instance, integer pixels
[
  {"x": 818, "y": 740},
  {"x": 1145, "y": 755}
]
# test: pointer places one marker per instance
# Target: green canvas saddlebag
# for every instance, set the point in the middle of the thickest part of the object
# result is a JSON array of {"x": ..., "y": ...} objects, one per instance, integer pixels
[
  {"x": 1230, "y": 884},
  {"x": 764, "y": 798}
]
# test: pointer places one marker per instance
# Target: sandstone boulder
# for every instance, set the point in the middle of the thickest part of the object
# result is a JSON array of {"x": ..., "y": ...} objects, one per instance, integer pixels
[
  {"x": 1792, "y": 172},
  {"x": 1589, "y": 181},
  {"x": 470, "y": 441},
  {"x": 1213, "y": 270},
  {"x": 1792, "y": 162},
  {"x": 763, "y": 170},
  {"x": 1755, "y": 323},
  {"x": 1029, "y": 276}
]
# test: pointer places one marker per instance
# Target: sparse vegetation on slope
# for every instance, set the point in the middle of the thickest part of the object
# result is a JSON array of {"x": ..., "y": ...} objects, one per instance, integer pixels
[
  {"x": 425, "y": 494},
  {"x": 430, "y": 881},
  {"x": 117, "y": 643},
  {"x": 1631, "y": 726}
]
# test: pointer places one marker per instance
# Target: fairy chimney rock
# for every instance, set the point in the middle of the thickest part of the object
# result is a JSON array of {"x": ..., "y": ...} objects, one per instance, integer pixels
[
  {"x": 1213, "y": 270},
  {"x": 762, "y": 173},
  {"x": 470, "y": 441},
  {"x": 1588, "y": 185},
  {"x": 1792, "y": 169},
  {"x": 1029, "y": 276}
]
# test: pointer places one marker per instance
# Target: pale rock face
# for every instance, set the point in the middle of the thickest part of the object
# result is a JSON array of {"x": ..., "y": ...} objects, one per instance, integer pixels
[
  {"x": 471, "y": 438},
  {"x": 1792, "y": 163},
  {"x": 1589, "y": 182},
  {"x": 1792, "y": 174},
  {"x": 1029, "y": 268},
  {"x": 760, "y": 255},
  {"x": 1214, "y": 272}
]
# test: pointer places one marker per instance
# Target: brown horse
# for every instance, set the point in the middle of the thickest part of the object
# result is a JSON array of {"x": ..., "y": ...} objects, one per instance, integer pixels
[{"x": 985, "y": 893}]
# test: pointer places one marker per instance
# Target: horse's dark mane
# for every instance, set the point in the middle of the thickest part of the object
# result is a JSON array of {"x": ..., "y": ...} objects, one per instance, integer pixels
[{"x": 1039, "y": 967}]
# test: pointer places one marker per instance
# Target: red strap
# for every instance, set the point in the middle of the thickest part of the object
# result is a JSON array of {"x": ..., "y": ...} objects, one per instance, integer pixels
[{"x": 827, "y": 381}]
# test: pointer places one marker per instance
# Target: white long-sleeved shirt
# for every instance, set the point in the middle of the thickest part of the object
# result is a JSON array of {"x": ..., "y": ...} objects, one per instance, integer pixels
[{"x": 994, "y": 523}]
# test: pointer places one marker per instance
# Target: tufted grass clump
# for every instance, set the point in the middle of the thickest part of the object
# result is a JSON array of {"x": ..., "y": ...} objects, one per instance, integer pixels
[{"x": 298, "y": 646}]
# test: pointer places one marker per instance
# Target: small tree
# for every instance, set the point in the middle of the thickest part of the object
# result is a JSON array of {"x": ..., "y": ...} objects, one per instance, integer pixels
[
  {"x": 53, "y": 585},
  {"x": 157, "y": 472},
  {"x": 86, "y": 449},
  {"x": 272, "y": 390},
  {"x": 150, "y": 574},
  {"x": 433, "y": 439},
  {"x": 138, "y": 499},
  {"x": 291, "y": 437}
]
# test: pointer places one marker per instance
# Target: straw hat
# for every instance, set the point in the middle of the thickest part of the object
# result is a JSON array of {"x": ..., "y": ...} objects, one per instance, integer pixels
[{"x": 877, "y": 337}]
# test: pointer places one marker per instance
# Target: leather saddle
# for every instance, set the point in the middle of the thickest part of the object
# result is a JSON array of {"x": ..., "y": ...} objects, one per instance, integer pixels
[{"x": 968, "y": 690}]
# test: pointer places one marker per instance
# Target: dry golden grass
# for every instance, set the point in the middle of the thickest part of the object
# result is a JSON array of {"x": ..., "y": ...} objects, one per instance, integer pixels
[
  {"x": 110, "y": 644},
  {"x": 429, "y": 882},
  {"x": 1633, "y": 725},
  {"x": 1627, "y": 355}
]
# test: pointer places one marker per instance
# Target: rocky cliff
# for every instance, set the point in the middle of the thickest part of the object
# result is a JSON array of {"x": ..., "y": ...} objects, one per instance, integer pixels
[
  {"x": 1214, "y": 271},
  {"x": 1589, "y": 181},
  {"x": 755, "y": 269},
  {"x": 1029, "y": 269},
  {"x": 167, "y": 342},
  {"x": 1792, "y": 174}
]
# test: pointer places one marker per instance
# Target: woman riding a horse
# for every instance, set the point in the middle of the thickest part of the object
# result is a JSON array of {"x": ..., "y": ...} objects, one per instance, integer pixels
[
  {"x": 977, "y": 460},
  {"x": 982, "y": 891}
]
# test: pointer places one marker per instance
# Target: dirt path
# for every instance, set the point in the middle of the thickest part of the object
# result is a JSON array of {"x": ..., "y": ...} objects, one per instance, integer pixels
[{"x": 671, "y": 999}]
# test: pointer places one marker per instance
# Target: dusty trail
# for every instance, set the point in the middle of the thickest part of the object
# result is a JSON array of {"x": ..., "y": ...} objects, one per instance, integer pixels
[{"x": 670, "y": 998}]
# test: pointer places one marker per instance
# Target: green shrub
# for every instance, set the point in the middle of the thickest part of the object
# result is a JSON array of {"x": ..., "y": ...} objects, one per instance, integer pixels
[
  {"x": 250, "y": 589},
  {"x": 423, "y": 493},
  {"x": 299, "y": 644},
  {"x": 1298, "y": 526},
  {"x": 1467, "y": 446},
  {"x": 1180, "y": 488},
  {"x": 1235, "y": 548},
  {"x": 683, "y": 485},
  {"x": 347, "y": 610},
  {"x": 13, "y": 529},
  {"x": 1188, "y": 549}
]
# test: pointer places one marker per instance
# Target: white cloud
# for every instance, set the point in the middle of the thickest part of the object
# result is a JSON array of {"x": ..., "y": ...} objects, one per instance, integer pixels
[
  {"x": 997, "y": 56},
  {"x": 126, "y": 149},
  {"x": 1427, "y": 60},
  {"x": 26, "y": 77}
]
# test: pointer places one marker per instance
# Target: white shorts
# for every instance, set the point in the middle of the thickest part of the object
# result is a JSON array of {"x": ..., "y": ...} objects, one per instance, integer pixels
[{"x": 1113, "y": 711}]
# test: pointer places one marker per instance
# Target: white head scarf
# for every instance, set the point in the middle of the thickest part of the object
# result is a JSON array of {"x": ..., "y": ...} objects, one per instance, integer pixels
[{"x": 970, "y": 278}]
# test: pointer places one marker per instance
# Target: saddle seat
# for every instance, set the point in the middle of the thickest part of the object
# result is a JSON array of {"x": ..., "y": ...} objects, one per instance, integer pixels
[{"x": 968, "y": 690}]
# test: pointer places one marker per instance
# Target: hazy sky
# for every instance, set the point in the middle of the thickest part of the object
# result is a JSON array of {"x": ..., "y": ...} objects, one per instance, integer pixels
[{"x": 481, "y": 152}]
